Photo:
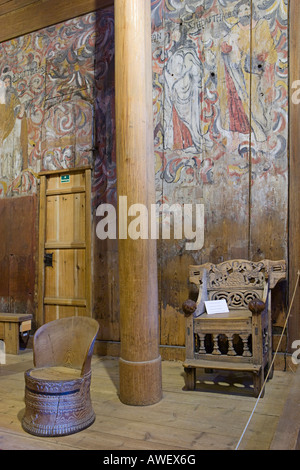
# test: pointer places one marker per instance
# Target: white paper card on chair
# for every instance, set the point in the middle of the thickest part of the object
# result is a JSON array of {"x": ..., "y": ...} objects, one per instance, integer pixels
[{"x": 216, "y": 306}]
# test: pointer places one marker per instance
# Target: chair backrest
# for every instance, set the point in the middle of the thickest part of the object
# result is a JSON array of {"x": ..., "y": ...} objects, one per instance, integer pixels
[
  {"x": 66, "y": 342},
  {"x": 237, "y": 281}
]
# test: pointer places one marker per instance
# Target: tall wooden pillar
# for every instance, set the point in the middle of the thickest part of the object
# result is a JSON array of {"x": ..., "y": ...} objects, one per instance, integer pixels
[{"x": 140, "y": 362}]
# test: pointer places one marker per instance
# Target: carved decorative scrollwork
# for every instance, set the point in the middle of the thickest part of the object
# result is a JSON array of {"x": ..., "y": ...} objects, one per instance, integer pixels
[
  {"x": 236, "y": 273},
  {"x": 235, "y": 299}
]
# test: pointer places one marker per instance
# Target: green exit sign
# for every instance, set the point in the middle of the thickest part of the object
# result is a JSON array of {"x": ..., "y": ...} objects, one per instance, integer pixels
[{"x": 65, "y": 179}]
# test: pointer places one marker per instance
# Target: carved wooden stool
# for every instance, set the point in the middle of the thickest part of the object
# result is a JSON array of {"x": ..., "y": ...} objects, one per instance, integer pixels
[{"x": 57, "y": 389}]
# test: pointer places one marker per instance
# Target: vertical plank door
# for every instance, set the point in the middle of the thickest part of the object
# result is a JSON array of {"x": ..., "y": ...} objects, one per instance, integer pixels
[{"x": 64, "y": 286}]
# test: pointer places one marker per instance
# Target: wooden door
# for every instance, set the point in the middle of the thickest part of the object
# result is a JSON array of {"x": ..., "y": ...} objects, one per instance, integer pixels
[{"x": 64, "y": 287}]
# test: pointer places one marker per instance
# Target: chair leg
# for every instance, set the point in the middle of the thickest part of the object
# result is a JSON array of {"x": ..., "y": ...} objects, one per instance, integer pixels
[
  {"x": 258, "y": 380},
  {"x": 271, "y": 373},
  {"x": 190, "y": 374}
]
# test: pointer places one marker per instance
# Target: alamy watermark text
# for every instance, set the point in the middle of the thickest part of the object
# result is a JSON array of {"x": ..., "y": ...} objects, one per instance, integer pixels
[{"x": 182, "y": 221}]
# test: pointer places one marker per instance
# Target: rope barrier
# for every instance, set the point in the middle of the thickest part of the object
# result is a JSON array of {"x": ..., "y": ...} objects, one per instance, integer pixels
[{"x": 270, "y": 368}]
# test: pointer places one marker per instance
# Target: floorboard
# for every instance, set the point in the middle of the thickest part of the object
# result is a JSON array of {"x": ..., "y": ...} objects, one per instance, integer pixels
[{"x": 213, "y": 417}]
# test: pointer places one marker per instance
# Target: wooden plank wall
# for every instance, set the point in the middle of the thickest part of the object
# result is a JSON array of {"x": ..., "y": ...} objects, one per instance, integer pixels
[
  {"x": 18, "y": 241},
  {"x": 221, "y": 144},
  {"x": 294, "y": 221},
  {"x": 204, "y": 151},
  {"x": 53, "y": 78}
]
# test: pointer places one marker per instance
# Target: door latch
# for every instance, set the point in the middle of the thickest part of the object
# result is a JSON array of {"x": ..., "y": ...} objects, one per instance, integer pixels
[{"x": 48, "y": 259}]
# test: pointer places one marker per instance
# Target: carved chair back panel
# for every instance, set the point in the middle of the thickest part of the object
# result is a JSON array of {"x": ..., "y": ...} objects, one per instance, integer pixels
[{"x": 236, "y": 281}]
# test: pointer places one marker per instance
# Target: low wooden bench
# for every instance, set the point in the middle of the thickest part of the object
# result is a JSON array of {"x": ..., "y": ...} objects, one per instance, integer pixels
[{"x": 11, "y": 325}]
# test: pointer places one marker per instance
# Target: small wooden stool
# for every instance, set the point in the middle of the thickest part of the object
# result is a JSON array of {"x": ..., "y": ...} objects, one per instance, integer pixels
[{"x": 11, "y": 325}]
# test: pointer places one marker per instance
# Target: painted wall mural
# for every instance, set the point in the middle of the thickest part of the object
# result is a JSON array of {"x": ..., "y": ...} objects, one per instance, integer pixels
[
  {"x": 220, "y": 106},
  {"x": 220, "y": 93},
  {"x": 220, "y": 101},
  {"x": 54, "y": 85}
]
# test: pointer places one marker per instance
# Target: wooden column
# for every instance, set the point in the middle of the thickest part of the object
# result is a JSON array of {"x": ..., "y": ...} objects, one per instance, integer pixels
[
  {"x": 140, "y": 362},
  {"x": 294, "y": 182}
]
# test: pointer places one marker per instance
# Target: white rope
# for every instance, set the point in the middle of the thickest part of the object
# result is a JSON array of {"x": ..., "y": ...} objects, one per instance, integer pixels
[{"x": 267, "y": 376}]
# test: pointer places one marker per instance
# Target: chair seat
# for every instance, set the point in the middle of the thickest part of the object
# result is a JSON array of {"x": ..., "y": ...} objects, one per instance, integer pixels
[
  {"x": 54, "y": 380},
  {"x": 222, "y": 365},
  {"x": 238, "y": 314},
  {"x": 234, "y": 322},
  {"x": 55, "y": 373}
]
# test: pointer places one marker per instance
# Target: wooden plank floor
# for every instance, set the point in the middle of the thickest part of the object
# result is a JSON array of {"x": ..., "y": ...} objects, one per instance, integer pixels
[
  {"x": 204, "y": 419},
  {"x": 287, "y": 435}
]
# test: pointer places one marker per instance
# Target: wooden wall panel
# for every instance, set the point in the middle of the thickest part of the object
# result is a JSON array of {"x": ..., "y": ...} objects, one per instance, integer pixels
[
  {"x": 4, "y": 256},
  {"x": 203, "y": 151},
  {"x": 106, "y": 287},
  {"x": 221, "y": 108},
  {"x": 294, "y": 193},
  {"x": 7, "y": 6},
  {"x": 63, "y": 77},
  {"x": 269, "y": 141},
  {"x": 18, "y": 240},
  {"x": 197, "y": 152}
]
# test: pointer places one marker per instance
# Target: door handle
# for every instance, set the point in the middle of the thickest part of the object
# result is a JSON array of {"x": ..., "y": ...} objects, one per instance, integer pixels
[{"x": 48, "y": 259}]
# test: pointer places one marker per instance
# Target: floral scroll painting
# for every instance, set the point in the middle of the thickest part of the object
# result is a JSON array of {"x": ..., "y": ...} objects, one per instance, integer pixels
[
  {"x": 52, "y": 92},
  {"x": 220, "y": 101}
]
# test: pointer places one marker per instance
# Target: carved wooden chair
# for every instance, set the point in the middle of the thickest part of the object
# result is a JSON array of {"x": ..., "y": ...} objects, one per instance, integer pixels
[
  {"x": 57, "y": 389},
  {"x": 240, "y": 340}
]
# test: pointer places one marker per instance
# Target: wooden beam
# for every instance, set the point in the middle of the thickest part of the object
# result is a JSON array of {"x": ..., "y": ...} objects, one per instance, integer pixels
[
  {"x": 41, "y": 250},
  {"x": 294, "y": 183},
  {"x": 19, "y": 17},
  {"x": 140, "y": 362},
  {"x": 7, "y": 6}
]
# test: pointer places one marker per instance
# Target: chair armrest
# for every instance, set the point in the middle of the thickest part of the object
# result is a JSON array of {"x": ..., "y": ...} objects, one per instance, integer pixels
[
  {"x": 189, "y": 307},
  {"x": 257, "y": 306}
]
